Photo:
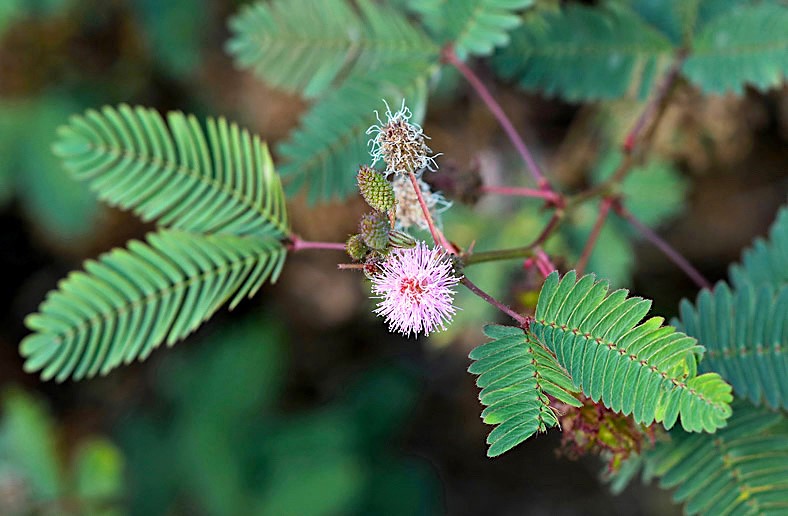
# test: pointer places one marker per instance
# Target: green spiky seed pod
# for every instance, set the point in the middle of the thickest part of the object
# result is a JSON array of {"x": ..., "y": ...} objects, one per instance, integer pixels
[
  {"x": 356, "y": 248},
  {"x": 374, "y": 229},
  {"x": 375, "y": 189},
  {"x": 401, "y": 240}
]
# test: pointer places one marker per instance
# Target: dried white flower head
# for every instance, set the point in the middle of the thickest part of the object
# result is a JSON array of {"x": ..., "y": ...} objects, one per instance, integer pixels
[
  {"x": 409, "y": 212},
  {"x": 400, "y": 143}
]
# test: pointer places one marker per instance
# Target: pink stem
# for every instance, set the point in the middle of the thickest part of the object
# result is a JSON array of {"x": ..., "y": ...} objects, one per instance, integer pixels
[
  {"x": 663, "y": 246},
  {"x": 547, "y": 195},
  {"x": 521, "y": 319},
  {"x": 450, "y": 57},
  {"x": 604, "y": 209},
  {"x": 437, "y": 236},
  {"x": 296, "y": 244}
]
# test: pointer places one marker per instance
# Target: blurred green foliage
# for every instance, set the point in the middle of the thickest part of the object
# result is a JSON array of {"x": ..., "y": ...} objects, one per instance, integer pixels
[
  {"x": 219, "y": 444},
  {"x": 38, "y": 477}
]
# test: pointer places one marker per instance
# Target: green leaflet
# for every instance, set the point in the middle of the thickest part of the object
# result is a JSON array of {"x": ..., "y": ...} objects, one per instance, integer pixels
[
  {"x": 311, "y": 46},
  {"x": 741, "y": 469},
  {"x": 766, "y": 262},
  {"x": 747, "y": 45},
  {"x": 132, "y": 300},
  {"x": 473, "y": 27},
  {"x": 614, "y": 50},
  {"x": 745, "y": 333},
  {"x": 516, "y": 376},
  {"x": 745, "y": 328},
  {"x": 647, "y": 370},
  {"x": 324, "y": 153},
  {"x": 582, "y": 53},
  {"x": 217, "y": 180}
]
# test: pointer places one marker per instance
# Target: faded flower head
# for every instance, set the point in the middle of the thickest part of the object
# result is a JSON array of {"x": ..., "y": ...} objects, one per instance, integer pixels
[
  {"x": 409, "y": 212},
  {"x": 400, "y": 143},
  {"x": 415, "y": 290}
]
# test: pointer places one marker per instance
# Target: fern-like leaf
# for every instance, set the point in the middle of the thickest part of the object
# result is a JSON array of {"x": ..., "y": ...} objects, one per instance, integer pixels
[
  {"x": 766, "y": 262},
  {"x": 747, "y": 45},
  {"x": 741, "y": 469},
  {"x": 175, "y": 173},
  {"x": 745, "y": 333},
  {"x": 473, "y": 27},
  {"x": 309, "y": 46},
  {"x": 324, "y": 154},
  {"x": 130, "y": 301},
  {"x": 613, "y": 51},
  {"x": 516, "y": 376},
  {"x": 647, "y": 370}
]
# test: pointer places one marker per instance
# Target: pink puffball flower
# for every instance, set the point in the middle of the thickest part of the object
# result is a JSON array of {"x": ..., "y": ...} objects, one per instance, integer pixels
[{"x": 414, "y": 286}]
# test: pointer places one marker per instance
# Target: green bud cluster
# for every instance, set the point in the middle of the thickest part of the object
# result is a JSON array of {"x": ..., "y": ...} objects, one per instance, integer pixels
[
  {"x": 356, "y": 248},
  {"x": 375, "y": 188},
  {"x": 374, "y": 230}
]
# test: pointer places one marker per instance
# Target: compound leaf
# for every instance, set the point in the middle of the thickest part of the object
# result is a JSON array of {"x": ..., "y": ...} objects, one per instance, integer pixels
[
  {"x": 766, "y": 262},
  {"x": 473, "y": 27},
  {"x": 516, "y": 375},
  {"x": 130, "y": 301},
  {"x": 745, "y": 333},
  {"x": 647, "y": 369},
  {"x": 175, "y": 173},
  {"x": 748, "y": 45},
  {"x": 741, "y": 469},
  {"x": 582, "y": 53},
  {"x": 310, "y": 46}
]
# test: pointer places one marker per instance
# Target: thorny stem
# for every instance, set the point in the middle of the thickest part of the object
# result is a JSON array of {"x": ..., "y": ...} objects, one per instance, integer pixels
[
  {"x": 523, "y": 320},
  {"x": 604, "y": 209},
  {"x": 297, "y": 244},
  {"x": 518, "y": 252},
  {"x": 547, "y": 195},
  {"x": 449, "y": 56},
  {"x": 663, "y": 246}
]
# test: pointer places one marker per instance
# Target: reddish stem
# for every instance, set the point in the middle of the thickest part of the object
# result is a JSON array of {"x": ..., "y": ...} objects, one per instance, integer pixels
[
  {"x": 449, "y": 56},
  {"x": 547, "y": 195},
  {"x": 604, "y": 209},
  {"x": 297, "y": 244},
  {"x": 437, "y": 236},
  {"x": 663, "y": 246},
  {"x": 521, "y": 319},
  {"x": 656, "y": 103}
]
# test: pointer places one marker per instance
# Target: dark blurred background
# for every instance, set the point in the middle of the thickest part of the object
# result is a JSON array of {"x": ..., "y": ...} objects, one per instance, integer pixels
[{"x": 300, "y": 401}]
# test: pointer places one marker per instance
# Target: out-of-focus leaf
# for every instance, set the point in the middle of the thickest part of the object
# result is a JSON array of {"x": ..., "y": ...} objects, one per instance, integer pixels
[
  {"x": 28, "y": 442},
  {"x": 322, "y": 485},
  {"x": 175, "y": 32},
  {"x": 98, "y": 476},
  {"x": 62, "y": 207},
  {"x": 654, "y": 192}
]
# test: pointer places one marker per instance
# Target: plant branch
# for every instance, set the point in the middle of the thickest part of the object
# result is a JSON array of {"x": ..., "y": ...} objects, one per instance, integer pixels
[
  {"x": 449, "y": 56},
  {"x": 648, "y": 121},
  {"x": 297, "y": 244},
  {"x": 523, "y": 320},
  {"x": 604, "y": 209},
  {"x": 526, "y": 251},
  {"x": 656, "y": 104},
  {"x": 663, "y": 246},
  {"x": 437, "y": 235},
  {"x": 547, "y": 195}
]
